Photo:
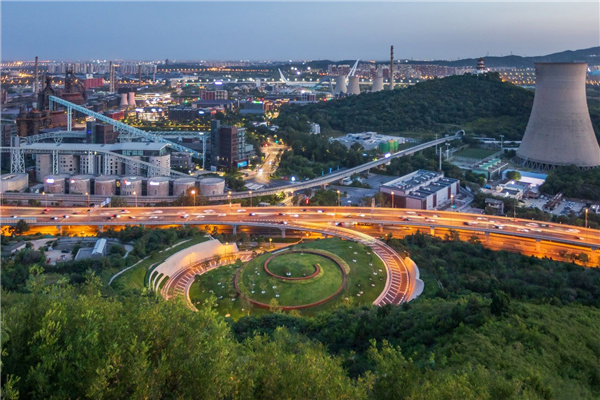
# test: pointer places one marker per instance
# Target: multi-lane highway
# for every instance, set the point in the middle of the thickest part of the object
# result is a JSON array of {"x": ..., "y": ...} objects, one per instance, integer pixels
[{"x": 354, "y": 223}]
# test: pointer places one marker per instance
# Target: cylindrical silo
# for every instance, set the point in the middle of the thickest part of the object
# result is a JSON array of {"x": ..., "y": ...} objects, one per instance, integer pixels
[
  {"x": 55, "y": 183},
  {"x": 377, "y": 84},
  {"x": 340, "y": 84},
  {"x": 131, "y": 186},
  {"x": 559, "y": 131},
  {"x": 182, "y": 185},
  {"x": 105, "y": 185},
  {"x": 212, "y": 186},
  {"x": 124, "y": 102},
  {"x": 158, "y": 186},
  {"x": 353, "y": 85},
  {"x": 80, "y": 184},
  {"x": 131, "y": 99}
]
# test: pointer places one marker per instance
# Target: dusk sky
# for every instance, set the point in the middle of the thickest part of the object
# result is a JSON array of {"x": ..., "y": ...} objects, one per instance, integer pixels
[{"x": 298, "y": 30}]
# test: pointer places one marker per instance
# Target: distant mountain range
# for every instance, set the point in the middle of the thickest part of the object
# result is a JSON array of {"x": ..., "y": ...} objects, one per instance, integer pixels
[{"x": 591, "y": 56}]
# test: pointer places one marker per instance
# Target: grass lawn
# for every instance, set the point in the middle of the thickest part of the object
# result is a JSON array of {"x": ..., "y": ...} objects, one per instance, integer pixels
[
  {"x": 363, "y": 277},
  {"x": 258, "y": 285},
  {"x": 136, "y": 277},
  {"x": 475, "y": 153},
  {"x": 293, "y": 265}
]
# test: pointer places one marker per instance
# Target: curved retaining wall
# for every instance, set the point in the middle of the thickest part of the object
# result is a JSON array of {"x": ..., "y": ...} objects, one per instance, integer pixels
[{"x": 187, "y": 256}]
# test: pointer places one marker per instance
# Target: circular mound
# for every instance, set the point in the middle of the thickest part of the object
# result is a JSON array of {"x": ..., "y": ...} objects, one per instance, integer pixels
[
  {"x": 297, "y": 292},
  {"x": 288, "y": 268}
]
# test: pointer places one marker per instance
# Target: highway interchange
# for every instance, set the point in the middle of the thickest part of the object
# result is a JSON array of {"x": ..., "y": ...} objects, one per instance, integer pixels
[{"x": 361, "y": 224}]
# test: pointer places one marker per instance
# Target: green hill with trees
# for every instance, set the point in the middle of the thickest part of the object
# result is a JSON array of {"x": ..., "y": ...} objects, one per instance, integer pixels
[
  {"x": 489, "y": 325},
  {"x": 481, "y": 104}
]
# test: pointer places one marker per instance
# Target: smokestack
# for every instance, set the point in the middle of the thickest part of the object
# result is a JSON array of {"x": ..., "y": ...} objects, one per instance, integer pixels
[
  {"x": 559, "y": 131},
  {"x": 392, "y": 68},
  {"x": 353, "y": 85},
  {"x": 36, "y": 81},
  {"x": 112, "y": 78},
  {"x": 124, "y": 102}
]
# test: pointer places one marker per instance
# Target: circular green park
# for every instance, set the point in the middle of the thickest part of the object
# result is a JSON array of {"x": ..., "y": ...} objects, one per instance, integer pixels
[{"x": 307, "y": 277}]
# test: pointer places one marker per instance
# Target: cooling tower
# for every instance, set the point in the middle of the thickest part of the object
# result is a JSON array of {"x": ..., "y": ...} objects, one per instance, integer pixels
[
  {"x": 353, "y": 85},
  {"x": 124, "y": 102},
  {"x": 377, "y": 84},
  {"x": 131, "y": 99},
  {"x": 559, "y": 131},
  {"x": 340, "y": 84}
]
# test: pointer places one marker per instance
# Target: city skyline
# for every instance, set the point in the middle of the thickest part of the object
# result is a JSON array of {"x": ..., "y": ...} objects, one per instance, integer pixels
[{"x": 278, "y": 31}]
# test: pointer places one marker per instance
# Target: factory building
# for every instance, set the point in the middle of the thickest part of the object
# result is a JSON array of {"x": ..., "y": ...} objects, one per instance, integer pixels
[
  {"x": 422, "y": 190},
  {"x": 181, "y": 160},
  {"x": 43, "y": 166},
  {"x": 228, "y": 145},
  {"x": 14, "y": 183}
]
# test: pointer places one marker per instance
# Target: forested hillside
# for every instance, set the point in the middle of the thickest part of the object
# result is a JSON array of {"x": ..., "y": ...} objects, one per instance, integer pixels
[
  {"x": 490, "y": 325},
  {"x": 481, "y": 104}
]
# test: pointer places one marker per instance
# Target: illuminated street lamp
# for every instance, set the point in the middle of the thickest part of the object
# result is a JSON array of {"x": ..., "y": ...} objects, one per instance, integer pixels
[
  {"x": 250, "y": 197},
  {"x": 451, "y": 201},
  {"x": 135, "y": 194},
  {"x": 392, "y": 199},
  {"x": 88, "y": 199},
  {"x": 46, "y": 196},
  {"x": 338, "y": 193},
  {"x": 229, "y": 198},
  {"x": 270, "y": 243},
  {"x": 193, "y": 192},
  {"x": 586, "y": 211}
]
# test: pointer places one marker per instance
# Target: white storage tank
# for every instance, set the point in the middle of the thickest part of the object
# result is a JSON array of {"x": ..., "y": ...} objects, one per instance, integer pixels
[
  {"x": 55, "y": 183},
  {"x": 212, "y": 186},
  {"x": 158, "y": 186},
  {"x": 131, "y": 185},
  {"x": 105, "y": 185},
  {"x": 80, "y": 184},
  {"x": 182, "y": 185}
]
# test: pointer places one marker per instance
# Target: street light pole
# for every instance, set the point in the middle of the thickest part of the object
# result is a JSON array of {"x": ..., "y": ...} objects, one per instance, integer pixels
[
  {"x": 135, "y": 194},
  {"x": 229, "y": 198},
  {"x": 586, "y": 211},
  {"x": 193, "y": 192},
  {"x": 338, "y": 193},
  {"x": 392, "y": 199},
  {"x": 88, "y": 199},
  {"x": 250, "y": 197}
]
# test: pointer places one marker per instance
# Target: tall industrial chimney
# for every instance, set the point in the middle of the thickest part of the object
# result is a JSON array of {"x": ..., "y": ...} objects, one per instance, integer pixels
[
  {"x": 112, "y": 77},
  {"x": 36, "y": 79},
  {"x": 392, "y": 68},
  {"x": 559, "y": 131}
]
